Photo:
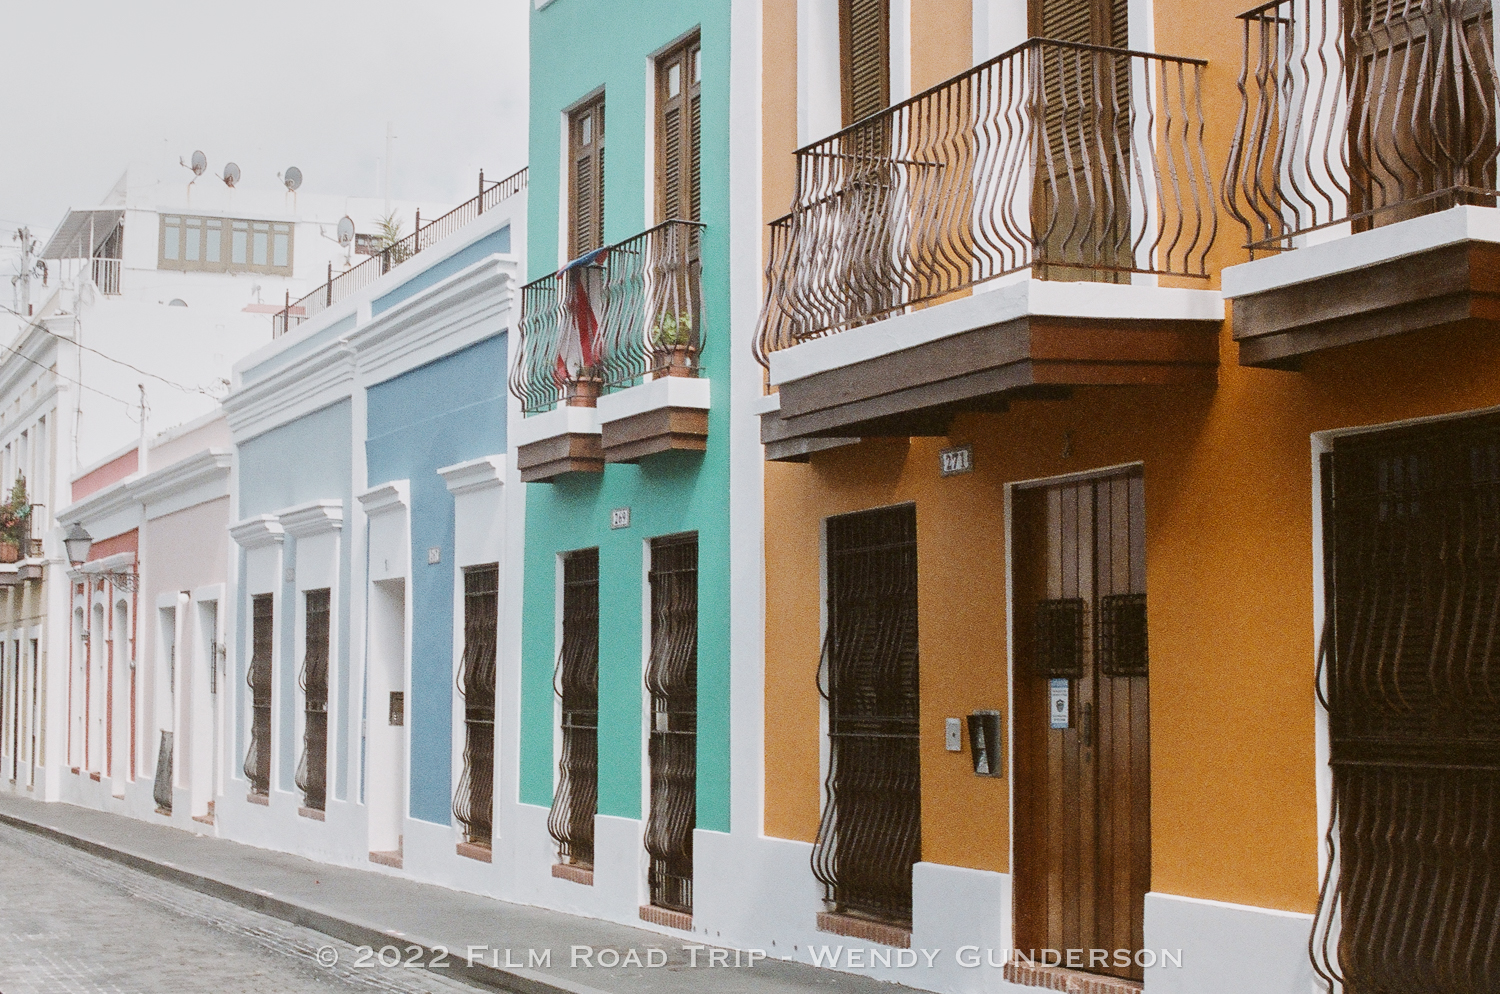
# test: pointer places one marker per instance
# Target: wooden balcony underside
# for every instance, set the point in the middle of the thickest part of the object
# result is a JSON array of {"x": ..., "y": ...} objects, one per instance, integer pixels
[
  {"x": 545, "y": 460},
  {"x": 1443, "y": 286},
  {"x": 632, "y": 438},
  {"x": 918, "y": 391}
]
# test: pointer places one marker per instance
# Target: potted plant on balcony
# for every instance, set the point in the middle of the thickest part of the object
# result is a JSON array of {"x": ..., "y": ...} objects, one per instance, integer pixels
[
  {"x": 583, "y": 389},
  {"x": 672, "y": 343},
  {"x": 15, "y": 523}
]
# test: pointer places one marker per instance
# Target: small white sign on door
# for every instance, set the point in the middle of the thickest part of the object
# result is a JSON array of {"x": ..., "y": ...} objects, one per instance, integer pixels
[{"x": 1058, "y": 694}]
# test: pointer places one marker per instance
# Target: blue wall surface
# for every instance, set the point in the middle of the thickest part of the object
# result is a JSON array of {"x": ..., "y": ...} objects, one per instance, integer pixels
[
  {"x": 499, "y": 242},
  {"x": 445, "y": 412},
  {"x": 304, "y": 460}
]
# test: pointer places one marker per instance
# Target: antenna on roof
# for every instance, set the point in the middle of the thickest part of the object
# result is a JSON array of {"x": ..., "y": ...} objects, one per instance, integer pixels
[
  {"x": 198, "y": 164},
  {"x": 231, "y": 174},
  {"x": 346, "y": 236}
]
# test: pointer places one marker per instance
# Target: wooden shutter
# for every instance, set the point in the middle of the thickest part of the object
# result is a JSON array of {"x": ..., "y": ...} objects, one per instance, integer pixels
[
  {"x": 1421, "y": 124},
  {"x": 586, "y": 178},
  {"x": 864, "y": 57},
  {"x": 678, "y": 128},
  {"x": 1086, "y": 22},
  {"x": 1081, "y": 208}
]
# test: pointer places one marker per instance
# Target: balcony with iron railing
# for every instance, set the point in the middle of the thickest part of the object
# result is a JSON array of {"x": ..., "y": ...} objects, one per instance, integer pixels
[
  {"x": 609, "y": 360},
  {"x": 1363, "y": 171},
  {"x": 1044, "y": 191},
  {"x": 340, "y": 286}
]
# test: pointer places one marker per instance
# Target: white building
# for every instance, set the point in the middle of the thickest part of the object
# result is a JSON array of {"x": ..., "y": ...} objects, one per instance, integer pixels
[{"x": 147, "y": 302}]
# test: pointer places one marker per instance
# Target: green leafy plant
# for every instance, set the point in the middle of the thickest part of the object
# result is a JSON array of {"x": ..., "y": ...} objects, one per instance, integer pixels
[
  {"x": 15, "y": 515},
  {"x": 389, "y": 238},
  {"x": 672, "y": 330}
]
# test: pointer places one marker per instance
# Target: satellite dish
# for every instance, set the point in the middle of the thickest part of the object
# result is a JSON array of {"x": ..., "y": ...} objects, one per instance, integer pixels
[
  {"x": 293, "y": 178},
  {"x": 231, "y": 174},
  {"x": 199, "y": 164},
  {"x": 177, "y": 302},
  {"x": 346, "y": 231}
]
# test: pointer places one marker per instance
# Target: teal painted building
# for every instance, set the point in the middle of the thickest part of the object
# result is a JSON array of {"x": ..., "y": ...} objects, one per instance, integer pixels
[{"x": 581, "y": 51}]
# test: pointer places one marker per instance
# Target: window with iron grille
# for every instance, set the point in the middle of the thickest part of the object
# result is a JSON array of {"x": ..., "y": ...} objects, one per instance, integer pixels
[
  {"x": 473, "y": 802},
  {"x": 576, "y": 680},
  {"x": 672, "y": 682},
  {"x": 312, "y": 770},
  {"x": 586, "y": 178},
  {"x": 870, "y": 833},
  {"x": 258, "y": 757},
  {"x": 1410, "y": 679}
]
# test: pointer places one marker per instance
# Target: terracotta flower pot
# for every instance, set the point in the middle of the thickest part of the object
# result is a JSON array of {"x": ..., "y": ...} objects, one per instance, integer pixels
[
  {"x": 10, "y": 552},
  {"x": 583, "y": 391},
  {"x": 674, "y": 361}
]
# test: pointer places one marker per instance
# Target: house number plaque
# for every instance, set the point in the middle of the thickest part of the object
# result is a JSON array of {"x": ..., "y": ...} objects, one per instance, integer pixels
[{"x": 960, "y": 459}]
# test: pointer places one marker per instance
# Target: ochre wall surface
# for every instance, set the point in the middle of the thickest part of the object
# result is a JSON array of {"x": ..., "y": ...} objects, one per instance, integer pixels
[{"x": 1230, "y": 558}]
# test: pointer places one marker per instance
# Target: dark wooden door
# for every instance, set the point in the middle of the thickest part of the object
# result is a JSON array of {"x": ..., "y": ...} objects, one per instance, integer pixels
[{"x": 1082, "y": 791}]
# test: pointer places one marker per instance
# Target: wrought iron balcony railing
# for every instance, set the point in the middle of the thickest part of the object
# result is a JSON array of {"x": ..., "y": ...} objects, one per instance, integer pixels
[
  {"x": 1077, "y": 161},
  {"x": 1361, "y": 112},
  {"x": 425, "y": 236},
  {"x": 609, "y": 319}
]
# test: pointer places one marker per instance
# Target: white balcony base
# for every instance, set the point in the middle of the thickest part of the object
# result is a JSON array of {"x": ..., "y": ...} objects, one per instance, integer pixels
[{"x": 1023, "y": 299}]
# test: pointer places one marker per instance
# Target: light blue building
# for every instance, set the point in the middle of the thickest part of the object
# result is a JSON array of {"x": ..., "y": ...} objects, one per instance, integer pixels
[{"x": 370, "y": 495}]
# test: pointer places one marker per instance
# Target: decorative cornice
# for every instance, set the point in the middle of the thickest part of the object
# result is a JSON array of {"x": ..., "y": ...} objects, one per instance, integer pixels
[
  {"x": 392, "y": 496},
  {"x": 109, "y": 564},
  {"x": 324, "y": 377},
  {"x": 476, "y": 474},
  {"x": 313, "y": 518},
  {"x": 257, "y": 532},
  {"x": 205, "y": 467}
]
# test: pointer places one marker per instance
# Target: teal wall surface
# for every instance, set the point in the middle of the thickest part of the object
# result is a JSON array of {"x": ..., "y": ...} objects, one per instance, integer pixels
[{"x": 579, "y": 47}]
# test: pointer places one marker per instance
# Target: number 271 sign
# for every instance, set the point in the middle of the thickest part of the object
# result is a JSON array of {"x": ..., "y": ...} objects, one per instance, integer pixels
[{"x": 960, "y": 459}]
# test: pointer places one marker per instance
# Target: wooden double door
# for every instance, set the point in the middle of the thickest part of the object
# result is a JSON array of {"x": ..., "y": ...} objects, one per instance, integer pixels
[{"x": 1082, "y": 760}]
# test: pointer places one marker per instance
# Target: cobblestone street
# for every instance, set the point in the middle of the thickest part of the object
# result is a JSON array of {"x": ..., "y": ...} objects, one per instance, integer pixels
[{"x": 72, "y": 923}]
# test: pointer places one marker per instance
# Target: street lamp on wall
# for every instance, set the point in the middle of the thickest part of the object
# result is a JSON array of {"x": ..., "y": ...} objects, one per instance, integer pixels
[{"x": 78, "y": 542}]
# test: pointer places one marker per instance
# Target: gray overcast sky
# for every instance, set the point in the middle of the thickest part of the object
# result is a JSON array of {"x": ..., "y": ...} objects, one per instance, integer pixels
[{"x": 88, "y": 86}]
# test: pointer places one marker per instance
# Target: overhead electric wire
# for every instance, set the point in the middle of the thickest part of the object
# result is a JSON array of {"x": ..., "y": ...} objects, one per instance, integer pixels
[
  {"x": 129, "y": 405},
  {"x": 144, "y": 372}
]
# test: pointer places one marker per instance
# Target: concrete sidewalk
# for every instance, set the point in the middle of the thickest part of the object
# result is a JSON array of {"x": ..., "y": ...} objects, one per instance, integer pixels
[{"x": 369, "y": 909}]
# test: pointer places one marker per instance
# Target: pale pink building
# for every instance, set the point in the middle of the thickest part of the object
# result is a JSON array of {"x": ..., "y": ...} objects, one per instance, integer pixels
[{"x": 145, "y": 638}]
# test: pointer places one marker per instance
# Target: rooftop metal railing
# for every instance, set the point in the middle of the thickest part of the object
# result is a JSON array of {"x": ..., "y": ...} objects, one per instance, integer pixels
[
  {"x": 351, "y": 281},
  {"x": 1077, "y": 161},
  {"x": 611, "y": 318},
  {"x": 1361, "y": 112}
]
